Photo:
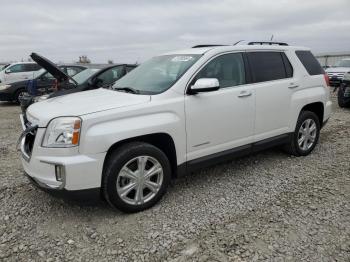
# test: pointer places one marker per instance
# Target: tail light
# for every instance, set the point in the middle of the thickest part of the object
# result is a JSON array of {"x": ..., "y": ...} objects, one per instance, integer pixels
[{"x": 326, "y": 78}]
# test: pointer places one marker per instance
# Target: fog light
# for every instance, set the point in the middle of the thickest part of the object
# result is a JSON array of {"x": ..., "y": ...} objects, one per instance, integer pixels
[{"x": 59, "y": 170}]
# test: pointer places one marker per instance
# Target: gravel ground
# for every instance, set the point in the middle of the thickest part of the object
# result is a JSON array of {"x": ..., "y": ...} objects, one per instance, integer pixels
[{"x": 265, "y": 207}]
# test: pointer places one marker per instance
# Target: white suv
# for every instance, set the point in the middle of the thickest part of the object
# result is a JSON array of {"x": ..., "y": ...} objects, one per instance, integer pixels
[
  {"x": 172, "y": 115},
  {"x": 18, "y": 72}
]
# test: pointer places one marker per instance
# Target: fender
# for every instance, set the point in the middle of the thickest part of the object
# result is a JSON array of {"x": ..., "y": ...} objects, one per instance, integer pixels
[
  {"x": 99, "y": 136},
  {"x": 304, "y": 97}
]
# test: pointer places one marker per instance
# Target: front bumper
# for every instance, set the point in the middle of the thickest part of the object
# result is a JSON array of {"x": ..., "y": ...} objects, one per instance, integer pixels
[
  {"x": 80, "y": 172},
  {"x": 90, "y": 195}
]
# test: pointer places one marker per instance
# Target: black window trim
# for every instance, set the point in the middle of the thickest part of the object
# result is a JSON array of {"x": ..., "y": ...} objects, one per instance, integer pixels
[
  {"x": 286, "y": 59},
  {"x": 246, "y": 70}
]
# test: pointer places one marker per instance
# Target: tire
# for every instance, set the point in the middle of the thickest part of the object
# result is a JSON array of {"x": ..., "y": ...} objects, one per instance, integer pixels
[
  {"x": 117, "y": 185},
  {"x": 293, "y": 147},
  {"x": 341, "y": 99},
  {"x": 18, "y": 95}
]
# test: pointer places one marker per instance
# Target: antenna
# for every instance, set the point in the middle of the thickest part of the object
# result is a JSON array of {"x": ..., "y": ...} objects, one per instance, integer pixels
[{"x": 271, "y": 38}]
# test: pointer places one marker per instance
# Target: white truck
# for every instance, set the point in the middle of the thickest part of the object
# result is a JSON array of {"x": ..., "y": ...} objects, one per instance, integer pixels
[{"x": 173, "y": 114}]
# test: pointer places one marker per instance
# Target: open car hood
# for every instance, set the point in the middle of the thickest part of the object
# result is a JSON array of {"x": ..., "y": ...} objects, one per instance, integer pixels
[{"x": 50, "y": 67}]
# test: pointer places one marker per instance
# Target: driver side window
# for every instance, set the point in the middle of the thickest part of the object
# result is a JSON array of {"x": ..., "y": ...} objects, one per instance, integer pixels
[{"x": 228, "y": 69}]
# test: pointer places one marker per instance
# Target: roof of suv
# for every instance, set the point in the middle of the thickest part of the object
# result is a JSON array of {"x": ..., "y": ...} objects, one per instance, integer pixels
[{"x": 224, "y": 48}]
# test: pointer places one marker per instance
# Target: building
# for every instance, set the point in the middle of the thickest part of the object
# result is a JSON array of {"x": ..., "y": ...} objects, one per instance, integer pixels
[{"x": 331, "y": 58}]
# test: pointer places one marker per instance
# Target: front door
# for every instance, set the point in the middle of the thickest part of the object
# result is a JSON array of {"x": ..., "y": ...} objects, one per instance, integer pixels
[{"x": 223, "y": 119}]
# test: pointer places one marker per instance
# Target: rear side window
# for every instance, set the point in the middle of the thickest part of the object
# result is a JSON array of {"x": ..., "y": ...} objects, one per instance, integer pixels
[
  {"x": 268, "y": 66},
  {"x": 310, "y": 63},
  {"x": 31, "y": 67}
]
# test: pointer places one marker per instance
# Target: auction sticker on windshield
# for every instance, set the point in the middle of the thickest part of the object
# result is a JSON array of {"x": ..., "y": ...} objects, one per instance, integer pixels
[{"x": 182, "y": 58}]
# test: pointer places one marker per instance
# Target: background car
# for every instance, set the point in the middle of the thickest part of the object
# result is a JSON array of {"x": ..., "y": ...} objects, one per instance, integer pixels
[
  {"x": 18, "y": 71},
  {"x": 91, "y": 78},
  {"x": 336, "y": 72},
  {"x": 44, "y": 80},
  {"x": 344, "y": 91},
  {"x": 95, "y": 78}
]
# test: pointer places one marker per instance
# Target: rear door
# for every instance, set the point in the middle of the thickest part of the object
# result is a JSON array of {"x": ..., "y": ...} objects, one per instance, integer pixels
[{"x": 272, "y": 76}]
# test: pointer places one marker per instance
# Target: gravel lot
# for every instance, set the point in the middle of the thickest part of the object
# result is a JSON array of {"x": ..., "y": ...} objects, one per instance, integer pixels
[{"x": 268, "y": 206}]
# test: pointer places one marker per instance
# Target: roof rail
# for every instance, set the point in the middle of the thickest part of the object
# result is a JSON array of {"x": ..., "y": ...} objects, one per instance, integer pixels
[
  {"x": 199, "y": 46},
  {"x": 267, "y": 43}
]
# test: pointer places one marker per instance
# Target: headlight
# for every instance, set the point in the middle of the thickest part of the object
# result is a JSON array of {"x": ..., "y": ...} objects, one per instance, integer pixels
[
  {"x": 3, "y": 87},
  {"x": 62, "y": 132}
]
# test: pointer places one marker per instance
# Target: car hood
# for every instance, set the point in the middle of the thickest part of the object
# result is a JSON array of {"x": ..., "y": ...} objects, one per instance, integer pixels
[
  {"x": 50, "y": 67},
  {"x": 338, "y": 69},
  {"x": 81, "y": 103}
]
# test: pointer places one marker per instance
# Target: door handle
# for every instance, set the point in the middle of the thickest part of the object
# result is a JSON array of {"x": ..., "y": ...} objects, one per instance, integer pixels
[
  {"x": 293, "y": 85},
  {"x": 245, "y": 94}
]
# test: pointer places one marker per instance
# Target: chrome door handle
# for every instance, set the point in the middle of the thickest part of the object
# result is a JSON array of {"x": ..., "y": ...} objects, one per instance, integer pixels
[{"x": 245, "y": 94}]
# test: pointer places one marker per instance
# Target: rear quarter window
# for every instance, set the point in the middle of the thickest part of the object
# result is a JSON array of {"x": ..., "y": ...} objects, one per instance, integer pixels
[{"x": 310, "y": 63}]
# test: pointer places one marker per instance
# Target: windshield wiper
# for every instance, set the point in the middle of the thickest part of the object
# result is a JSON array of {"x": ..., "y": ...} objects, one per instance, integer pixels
[{"x": 128, "y": 90}]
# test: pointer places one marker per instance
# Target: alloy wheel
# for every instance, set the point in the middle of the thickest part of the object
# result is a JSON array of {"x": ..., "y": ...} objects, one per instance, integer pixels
[
  {"x": 139, "y": 180},
  {"x": 307, "y": 134}
]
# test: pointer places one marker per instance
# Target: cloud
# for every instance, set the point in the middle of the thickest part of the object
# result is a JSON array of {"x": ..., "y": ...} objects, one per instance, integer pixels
[{"x": 129, "y": 31}]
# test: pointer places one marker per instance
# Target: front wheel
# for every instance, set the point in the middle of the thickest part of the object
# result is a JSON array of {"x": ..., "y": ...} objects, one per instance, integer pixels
[
  {"x": 136, "y": 176},
  {"x": 305, "y": 136},
  {"x": 19, "y": 95}
]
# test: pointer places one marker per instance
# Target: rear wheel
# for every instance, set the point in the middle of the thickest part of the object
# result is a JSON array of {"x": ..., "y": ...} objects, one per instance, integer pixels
[
  {"x": 305, "y": 136},
  {"x": 136, "y": 176}
]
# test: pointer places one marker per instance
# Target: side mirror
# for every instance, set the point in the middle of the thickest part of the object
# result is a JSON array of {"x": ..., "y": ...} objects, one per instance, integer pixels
[
  {"x": 205, "y": 85},
  {"x": 8, "y": 71}
]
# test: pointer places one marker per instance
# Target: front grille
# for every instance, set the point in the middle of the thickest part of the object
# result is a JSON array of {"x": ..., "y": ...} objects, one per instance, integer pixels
[
  {"x": 27, "y": 141},
  {"x": 339, "y": 75}
]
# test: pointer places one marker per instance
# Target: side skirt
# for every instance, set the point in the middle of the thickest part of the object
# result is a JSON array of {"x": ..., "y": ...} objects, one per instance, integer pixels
[{"x": 206, "y": 161}]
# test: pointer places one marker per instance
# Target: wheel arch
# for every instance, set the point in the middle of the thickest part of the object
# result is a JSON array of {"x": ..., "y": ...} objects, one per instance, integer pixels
[
  {"x": 163, "y": 141},
  {"x": 317, "y": 108}
]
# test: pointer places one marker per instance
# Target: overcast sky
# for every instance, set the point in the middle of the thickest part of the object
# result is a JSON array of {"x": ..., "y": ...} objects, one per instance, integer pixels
[{"x": 130, "y": 31}]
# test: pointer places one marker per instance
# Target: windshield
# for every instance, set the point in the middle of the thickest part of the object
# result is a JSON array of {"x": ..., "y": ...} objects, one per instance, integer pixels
[
  {"x": 84, "y": 75},
  {"x": 343, "y": 63},
  {"x": 157, "y": 74},
  {"x": 2, "y": 67}
]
